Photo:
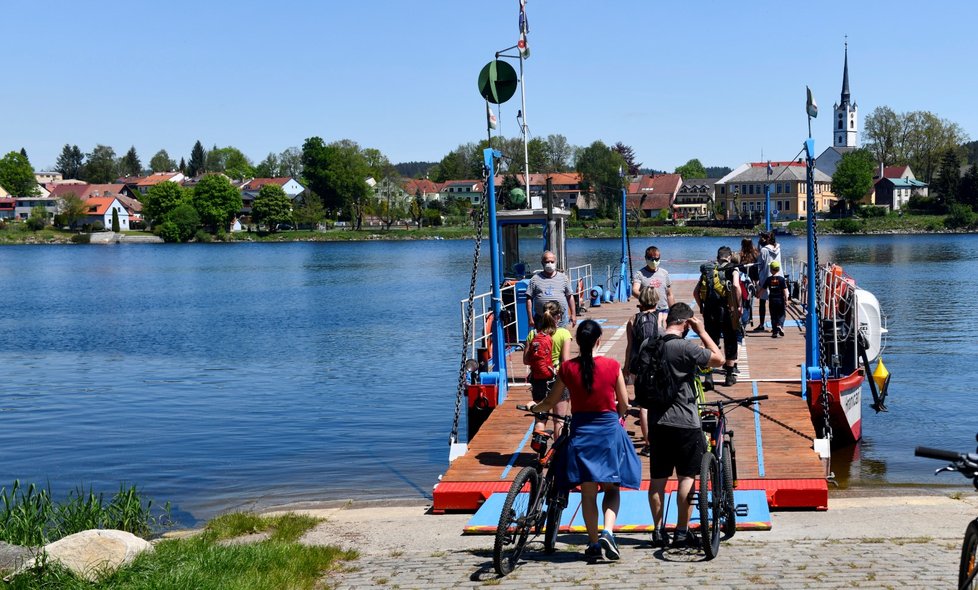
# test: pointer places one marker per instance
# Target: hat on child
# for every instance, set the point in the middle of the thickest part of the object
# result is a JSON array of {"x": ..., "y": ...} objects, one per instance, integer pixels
[{"x": 775, "y": 265}]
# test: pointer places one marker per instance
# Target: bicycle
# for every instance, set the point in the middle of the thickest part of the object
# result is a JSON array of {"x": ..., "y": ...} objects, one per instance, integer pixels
[
  {"x": 533, "y": 501},
  {"x": 967, "y": 465},
  {"x": 718, "y": 476}
]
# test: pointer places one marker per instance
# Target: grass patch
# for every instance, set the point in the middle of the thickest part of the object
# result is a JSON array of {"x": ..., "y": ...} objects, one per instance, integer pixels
[
  {"x": 202, "y": 563},
  {"x": 30, "y": 516}
]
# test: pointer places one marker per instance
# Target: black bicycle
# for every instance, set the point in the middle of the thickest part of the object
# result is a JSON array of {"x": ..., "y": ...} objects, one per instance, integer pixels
[
  {"x": 718, "y": 476},
  {"x": 967, "y": 465},
  {"x": 533, "y": 503}
]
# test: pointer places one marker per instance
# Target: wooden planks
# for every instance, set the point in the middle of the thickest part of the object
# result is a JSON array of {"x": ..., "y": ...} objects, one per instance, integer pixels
[{"x": 774, "y": 443}]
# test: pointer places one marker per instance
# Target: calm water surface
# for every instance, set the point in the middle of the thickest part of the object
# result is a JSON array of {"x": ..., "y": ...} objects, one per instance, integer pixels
[{"x": 225, "y": 376}]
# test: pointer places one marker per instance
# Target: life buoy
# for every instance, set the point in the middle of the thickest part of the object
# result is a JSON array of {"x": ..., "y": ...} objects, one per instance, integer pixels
[{"x": 487, "y": 338}]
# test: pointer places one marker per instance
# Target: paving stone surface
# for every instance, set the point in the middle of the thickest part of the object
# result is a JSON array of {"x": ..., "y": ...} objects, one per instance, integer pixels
[{"x": 903, "y": 540}]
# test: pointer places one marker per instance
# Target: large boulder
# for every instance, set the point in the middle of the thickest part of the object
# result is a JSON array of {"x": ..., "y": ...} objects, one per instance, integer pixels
[
  {"x": 91, "y": 553},
  {"x": 13, "y": 557}
]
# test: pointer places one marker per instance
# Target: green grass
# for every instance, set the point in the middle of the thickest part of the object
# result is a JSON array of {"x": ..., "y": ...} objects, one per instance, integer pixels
[
  {"x": 202, "y": 563},
  {"x": 30, "y": 516}
]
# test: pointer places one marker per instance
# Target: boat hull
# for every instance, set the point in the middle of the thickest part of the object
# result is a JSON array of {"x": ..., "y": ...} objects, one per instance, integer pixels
[{"x": 845, "y": 408}]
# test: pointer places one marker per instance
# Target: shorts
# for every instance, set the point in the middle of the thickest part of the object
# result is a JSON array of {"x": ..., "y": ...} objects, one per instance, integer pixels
[
  {"x": 675, "y": 449},
  {"x": 540, "y": 389}
]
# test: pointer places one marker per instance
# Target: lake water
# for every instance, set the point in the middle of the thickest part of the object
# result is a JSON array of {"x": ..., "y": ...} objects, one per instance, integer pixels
[{"x": 227, "y": 376}]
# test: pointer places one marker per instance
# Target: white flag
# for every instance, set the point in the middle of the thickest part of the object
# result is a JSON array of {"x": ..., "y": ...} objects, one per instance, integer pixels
[
  {"x": 490, "y": 117},
  {"x": 811, "y": 107}
]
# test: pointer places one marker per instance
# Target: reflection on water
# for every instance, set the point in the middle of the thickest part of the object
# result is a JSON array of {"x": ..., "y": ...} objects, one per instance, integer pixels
[{"x": 217, "y": 376}]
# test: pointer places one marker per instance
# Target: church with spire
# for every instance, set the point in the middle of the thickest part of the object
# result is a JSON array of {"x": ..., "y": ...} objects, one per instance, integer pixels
[{"x": 845, "y": 125}]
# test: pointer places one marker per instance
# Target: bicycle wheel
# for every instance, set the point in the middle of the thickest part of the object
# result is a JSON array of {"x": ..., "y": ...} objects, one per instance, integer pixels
[
  {"x": 729, "y": 508},
  {"x": 969, "y": 554},
  {"x": 516, "y": 519},
  {"x": 555, "y": 507},
  {"x": 710, "y": 493}
]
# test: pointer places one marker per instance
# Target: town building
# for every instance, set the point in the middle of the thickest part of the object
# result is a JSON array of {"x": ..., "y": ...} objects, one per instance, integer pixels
[
  {"x": 696, "y": 199},
  {"x": 845, "y": 126},
  {"x": 648, "y": 195},
  {"x": 743, "y": 191}
]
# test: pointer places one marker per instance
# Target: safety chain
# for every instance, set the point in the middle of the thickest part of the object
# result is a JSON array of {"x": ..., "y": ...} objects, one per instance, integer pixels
[
  {"x": 819, "y": 302},
  {"x": 469, "y": 309}
]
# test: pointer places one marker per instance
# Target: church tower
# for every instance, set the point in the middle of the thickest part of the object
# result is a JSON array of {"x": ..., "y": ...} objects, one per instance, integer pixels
[{"x": 845, "y": 125}]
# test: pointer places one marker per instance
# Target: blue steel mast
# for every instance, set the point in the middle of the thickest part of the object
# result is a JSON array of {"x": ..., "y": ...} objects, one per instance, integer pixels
[{"x": 623, "y": 285}]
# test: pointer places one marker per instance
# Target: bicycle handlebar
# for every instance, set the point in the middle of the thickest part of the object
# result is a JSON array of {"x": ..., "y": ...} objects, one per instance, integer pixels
[
  {"x": 938, "y": 454},
  {"x": 566, "y": 419},
  {"x": 740, "y": 402}
]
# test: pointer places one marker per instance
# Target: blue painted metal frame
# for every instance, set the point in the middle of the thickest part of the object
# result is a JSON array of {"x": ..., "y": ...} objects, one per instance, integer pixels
[
  {"x": 812, "y": 360},
  {"x": 624, "y": 287},
  {"x": 498, "y": 341}
]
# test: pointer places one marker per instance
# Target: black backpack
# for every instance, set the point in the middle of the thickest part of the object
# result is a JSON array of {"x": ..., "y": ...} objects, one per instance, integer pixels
[
  {"x": 654, "y": 384},
  {"x": 644, "y": 326}
]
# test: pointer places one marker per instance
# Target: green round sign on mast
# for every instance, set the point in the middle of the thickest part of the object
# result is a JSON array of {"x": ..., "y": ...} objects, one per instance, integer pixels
[{"x": 497, "y": 82}]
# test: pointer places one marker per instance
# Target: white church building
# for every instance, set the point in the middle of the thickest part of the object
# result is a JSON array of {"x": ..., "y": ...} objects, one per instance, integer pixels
[{"x": 845, "y": 127}]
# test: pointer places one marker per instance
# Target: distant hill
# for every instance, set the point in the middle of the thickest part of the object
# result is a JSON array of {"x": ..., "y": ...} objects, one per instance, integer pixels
[
  {"x": 651, "y": 171},
  {"x": 717, "y": 171},
  {"x": 413, "y": 169}
]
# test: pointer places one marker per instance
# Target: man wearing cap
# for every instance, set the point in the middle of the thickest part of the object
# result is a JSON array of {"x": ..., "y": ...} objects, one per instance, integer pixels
[
  {"x": 777, "y": 295},
  {"x": 653, "y": 275}
]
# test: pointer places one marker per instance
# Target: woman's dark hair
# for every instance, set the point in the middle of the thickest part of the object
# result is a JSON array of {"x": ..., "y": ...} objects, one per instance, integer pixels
[
  {"x": 748, "y": 253},
  {"x": 588, "y": 333}
]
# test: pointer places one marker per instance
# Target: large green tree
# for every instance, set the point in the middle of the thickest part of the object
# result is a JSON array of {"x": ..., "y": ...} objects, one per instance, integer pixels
[
  {"x": 162, "y": 162},
  {"x": 948, "y": 182},
  {"x": 70, "y": 162},
  {"x": 17, "y": 175},
  {"x": 272, "y": 207},
  {"x": 599, "y": 168},
  {"x": 558, "y": 153},
  {"x": 130, "y": 165},
  {"x": 181, "y": 224},
  {"x": 290, "y": 163},
  {"x": 161, "y": 199},
  {"x": 853, "y": 176},
  {"x": 216, "y": 201},
  {"x": 100, "y": 166},
  {"x": 198, "y": 160},
  {"x": 691, "y": 169},
  {"x": 231, "y": 162},
  {"x": 968, "y": 191},
  {"x": 918, "y": 139},
  {"x": 628, "y": 154},
  {"x": 268, "y": 168},
  {"x": 72, "y": 209},
  {"x": 337, "y": 173}
]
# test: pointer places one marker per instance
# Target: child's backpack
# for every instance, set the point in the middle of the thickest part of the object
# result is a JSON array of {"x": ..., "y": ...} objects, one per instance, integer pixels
[
  {"x": 654, "y": 386},
  {"x": 541, "y": 356},
  {"x": 644, "y": 326}
]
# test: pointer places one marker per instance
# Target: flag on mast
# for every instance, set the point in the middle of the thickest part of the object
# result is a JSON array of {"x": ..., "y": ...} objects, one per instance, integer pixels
[
  {"x": 524, "y": 29},
  {"x": 491, "y": 117},
  {"x": 811, "y": 107}
]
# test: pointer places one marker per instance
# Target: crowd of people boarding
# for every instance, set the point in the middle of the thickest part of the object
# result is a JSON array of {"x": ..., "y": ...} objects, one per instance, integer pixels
[{"x": 600, "y": 456}]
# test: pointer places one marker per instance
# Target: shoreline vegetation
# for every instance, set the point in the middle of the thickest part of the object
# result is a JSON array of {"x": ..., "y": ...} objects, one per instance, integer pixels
[{"x": 14, "y": 234}]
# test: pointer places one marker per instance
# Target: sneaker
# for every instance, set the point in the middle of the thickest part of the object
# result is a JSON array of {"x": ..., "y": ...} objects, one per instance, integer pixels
[
  {"x": 660, "y": 538},
  {"x": 780, "y": 331},
  {"x": 607, "y": 541},
  {"x": 759, "y": 328},
  {"x": 684, "y": 540},
  {"x": 774, "y": 333},
  {"x": 731, "y": 379},
  {"x": 645, "y": 451},
  {"x": 736, "y": 369},
  {"x": 593, "y": 551}
]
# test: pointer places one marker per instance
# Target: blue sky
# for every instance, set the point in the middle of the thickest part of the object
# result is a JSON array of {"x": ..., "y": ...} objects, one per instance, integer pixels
[{"x": 718, "y": 81}]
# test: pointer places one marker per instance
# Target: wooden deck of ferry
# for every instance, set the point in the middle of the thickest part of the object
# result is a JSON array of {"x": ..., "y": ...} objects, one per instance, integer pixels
[{"x": 774, "y": 445}]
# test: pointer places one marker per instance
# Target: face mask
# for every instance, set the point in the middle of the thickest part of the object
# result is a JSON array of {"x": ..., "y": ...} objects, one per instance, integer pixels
[
  {"x": 652, "y": 262},
  {"x": 549, "y": 266}
]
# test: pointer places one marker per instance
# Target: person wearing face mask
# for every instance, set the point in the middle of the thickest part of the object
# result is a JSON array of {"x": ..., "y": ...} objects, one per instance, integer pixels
[
  {"x": 675, "y": 433},
  {"x": 653, "y": 275},
  {"x": 550, "y": 285}
]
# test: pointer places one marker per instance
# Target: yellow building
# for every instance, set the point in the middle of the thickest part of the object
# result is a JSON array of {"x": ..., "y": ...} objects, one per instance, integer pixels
[{"x": 742, "y": 192}]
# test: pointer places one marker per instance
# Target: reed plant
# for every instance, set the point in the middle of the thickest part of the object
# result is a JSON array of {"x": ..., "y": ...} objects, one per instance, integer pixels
[{"x": 30, "y": 516}]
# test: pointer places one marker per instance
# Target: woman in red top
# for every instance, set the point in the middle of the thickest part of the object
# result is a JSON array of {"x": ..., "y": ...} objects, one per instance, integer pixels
[{"x": 599, "y": 454}]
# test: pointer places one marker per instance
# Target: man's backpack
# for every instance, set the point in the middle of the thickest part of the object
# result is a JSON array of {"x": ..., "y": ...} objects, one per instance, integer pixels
[
  {"x": 644, "y": 325},
  {"x": 541, "y": 356},
  {"x": 713, "y": 289},
  {"x": 655, "y": 388}
]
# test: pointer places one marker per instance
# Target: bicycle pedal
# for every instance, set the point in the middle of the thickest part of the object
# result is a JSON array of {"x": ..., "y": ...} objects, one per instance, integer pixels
[{"x": 741, "y": 510}]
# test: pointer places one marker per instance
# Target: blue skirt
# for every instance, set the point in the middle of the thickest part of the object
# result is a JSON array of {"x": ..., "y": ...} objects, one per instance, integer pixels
[{"x": 599, "y": 450}]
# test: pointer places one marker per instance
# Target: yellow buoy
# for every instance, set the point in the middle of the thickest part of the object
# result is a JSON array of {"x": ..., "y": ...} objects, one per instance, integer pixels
[{"x": 881, "y": 376}]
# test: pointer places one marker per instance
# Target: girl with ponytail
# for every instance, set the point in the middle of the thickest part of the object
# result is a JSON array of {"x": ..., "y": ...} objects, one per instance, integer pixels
[{"x": 599, "y": 454}]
